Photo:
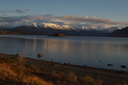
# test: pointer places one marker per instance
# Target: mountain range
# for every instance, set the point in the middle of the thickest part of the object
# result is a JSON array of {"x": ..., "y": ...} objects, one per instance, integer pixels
[
  {"x": 119, "y": 33},
  {"x": 51, "y": 28}
]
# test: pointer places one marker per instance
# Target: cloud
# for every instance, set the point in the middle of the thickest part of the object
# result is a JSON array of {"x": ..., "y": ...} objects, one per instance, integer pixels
[
  {"x": 26, "y": 10},
  {"x": 19, "y": 11},
  {"x": 99, "y": 26},
  {"x": 12, "y": 11},
  {"x": 4, "y": 12},
  {"x": 10, "y": 19},
  {"x": 92, "y": 20},
  {"x": 74, "y": 21},
  {"x": 40, "y": 17}
]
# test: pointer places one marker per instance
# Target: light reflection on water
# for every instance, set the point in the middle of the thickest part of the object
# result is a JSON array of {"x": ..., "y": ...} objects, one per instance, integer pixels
[{"x": 91, "y": 51}]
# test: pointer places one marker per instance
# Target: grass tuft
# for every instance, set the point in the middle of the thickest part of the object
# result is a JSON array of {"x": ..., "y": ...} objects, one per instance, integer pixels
[
  {"x": 72, "y": 76},
  {"x": 87, "y": 80}
]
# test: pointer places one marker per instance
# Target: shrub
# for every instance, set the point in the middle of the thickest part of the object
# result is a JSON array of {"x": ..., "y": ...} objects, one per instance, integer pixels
[
  {"x": 20, "y": 60},
  {"x": 72, "y": 76},
  {"x": 7, "y": 60},
  {"x": 122, "y": 84},
  {"x": 87, "y": 80},
  {"x": 35, "y": 68}
]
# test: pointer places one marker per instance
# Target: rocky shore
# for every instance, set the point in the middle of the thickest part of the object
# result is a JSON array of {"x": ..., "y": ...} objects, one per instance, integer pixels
[{"x": 108, "y": 77}]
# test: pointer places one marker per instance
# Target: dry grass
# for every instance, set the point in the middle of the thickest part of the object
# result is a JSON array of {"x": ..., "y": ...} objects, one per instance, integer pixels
[
  {"x": 72, "y": 76},
  {"x": 87, "y": 80},
  {"x": 122, "y": 84},
  {"x": 8, "y": 73},
  {"x": 20, "y": 60}
]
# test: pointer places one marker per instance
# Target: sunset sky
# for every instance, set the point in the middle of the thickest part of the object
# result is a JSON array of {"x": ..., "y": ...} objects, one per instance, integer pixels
[{"x": 105, "y": 12}]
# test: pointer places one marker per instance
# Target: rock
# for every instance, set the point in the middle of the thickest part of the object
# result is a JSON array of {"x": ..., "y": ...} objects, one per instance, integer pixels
[
  {"x": 54, "y": 64},
  {"x": 13, "y": 58},
  {"x": 40, "y": 55},
  {"x": 85, "y": 66},
  {"x": 54, "y": 72},
  {"x": 100, "y": 61},
  {"x": 65, "y": 63},
  {"x": 17, "y": 54},
  {"x": 123, "y": 66},
  {"x": 68, "y": 64},
  {"x": 110, "y": 64}
]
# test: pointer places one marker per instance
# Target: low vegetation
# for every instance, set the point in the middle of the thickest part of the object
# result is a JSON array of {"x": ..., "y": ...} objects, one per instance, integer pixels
[
  {"x": 17, "y": 32},
  {"x": 8, "y": 33},
  {"x": 15, "y": 73}
]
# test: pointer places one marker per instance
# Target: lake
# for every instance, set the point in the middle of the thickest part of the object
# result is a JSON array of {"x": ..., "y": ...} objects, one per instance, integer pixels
[{"x": 95, "y": 52}]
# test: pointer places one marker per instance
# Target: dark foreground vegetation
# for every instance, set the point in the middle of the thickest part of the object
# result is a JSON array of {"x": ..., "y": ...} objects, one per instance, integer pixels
[{"x": 16, "y": 70}]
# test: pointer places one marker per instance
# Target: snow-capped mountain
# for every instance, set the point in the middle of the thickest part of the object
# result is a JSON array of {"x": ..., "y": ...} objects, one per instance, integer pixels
[
  {"x": 108, "y": 30},
  {"x": 86, "y": 28},
  {"x": 112, "y": 29},
  {"x": 67, "y": 27},
  {"x": 32, "y": 25},
  {"x": 51, "y": 25}
]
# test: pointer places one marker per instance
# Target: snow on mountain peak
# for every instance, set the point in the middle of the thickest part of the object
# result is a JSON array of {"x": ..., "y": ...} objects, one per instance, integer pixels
[
  {"x": 33, "y": 25},
  {"x": 111, "y": 29},
  {"x": 85, "y": 28},
  {"x": 67, "y": 27},
  {"x": 108, "y": 30},
  {"x": 51, "y": 25}
]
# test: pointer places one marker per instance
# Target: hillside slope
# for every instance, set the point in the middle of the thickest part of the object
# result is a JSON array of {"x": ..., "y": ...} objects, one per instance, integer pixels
[{"x": 120, "y": 33}]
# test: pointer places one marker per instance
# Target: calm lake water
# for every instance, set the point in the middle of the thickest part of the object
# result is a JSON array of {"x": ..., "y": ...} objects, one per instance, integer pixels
[{"x": 91, "y": 51}]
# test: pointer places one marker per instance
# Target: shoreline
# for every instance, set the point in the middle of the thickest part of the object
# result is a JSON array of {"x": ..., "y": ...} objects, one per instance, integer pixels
[
  {"x": 68, "y": 64},
  {"x": 82, "y": 66},
  {"x": 110, "y": 77}
]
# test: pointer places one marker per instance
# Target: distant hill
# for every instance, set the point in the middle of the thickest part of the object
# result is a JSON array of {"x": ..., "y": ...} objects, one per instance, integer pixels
[
  {"x": 17, "y": 32},
  {"x": 44, "y": 31},
  {"x": 8, "y": 33},
  {"x": 31, "y": 30},
  {"x": 120, "y": 33}
]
